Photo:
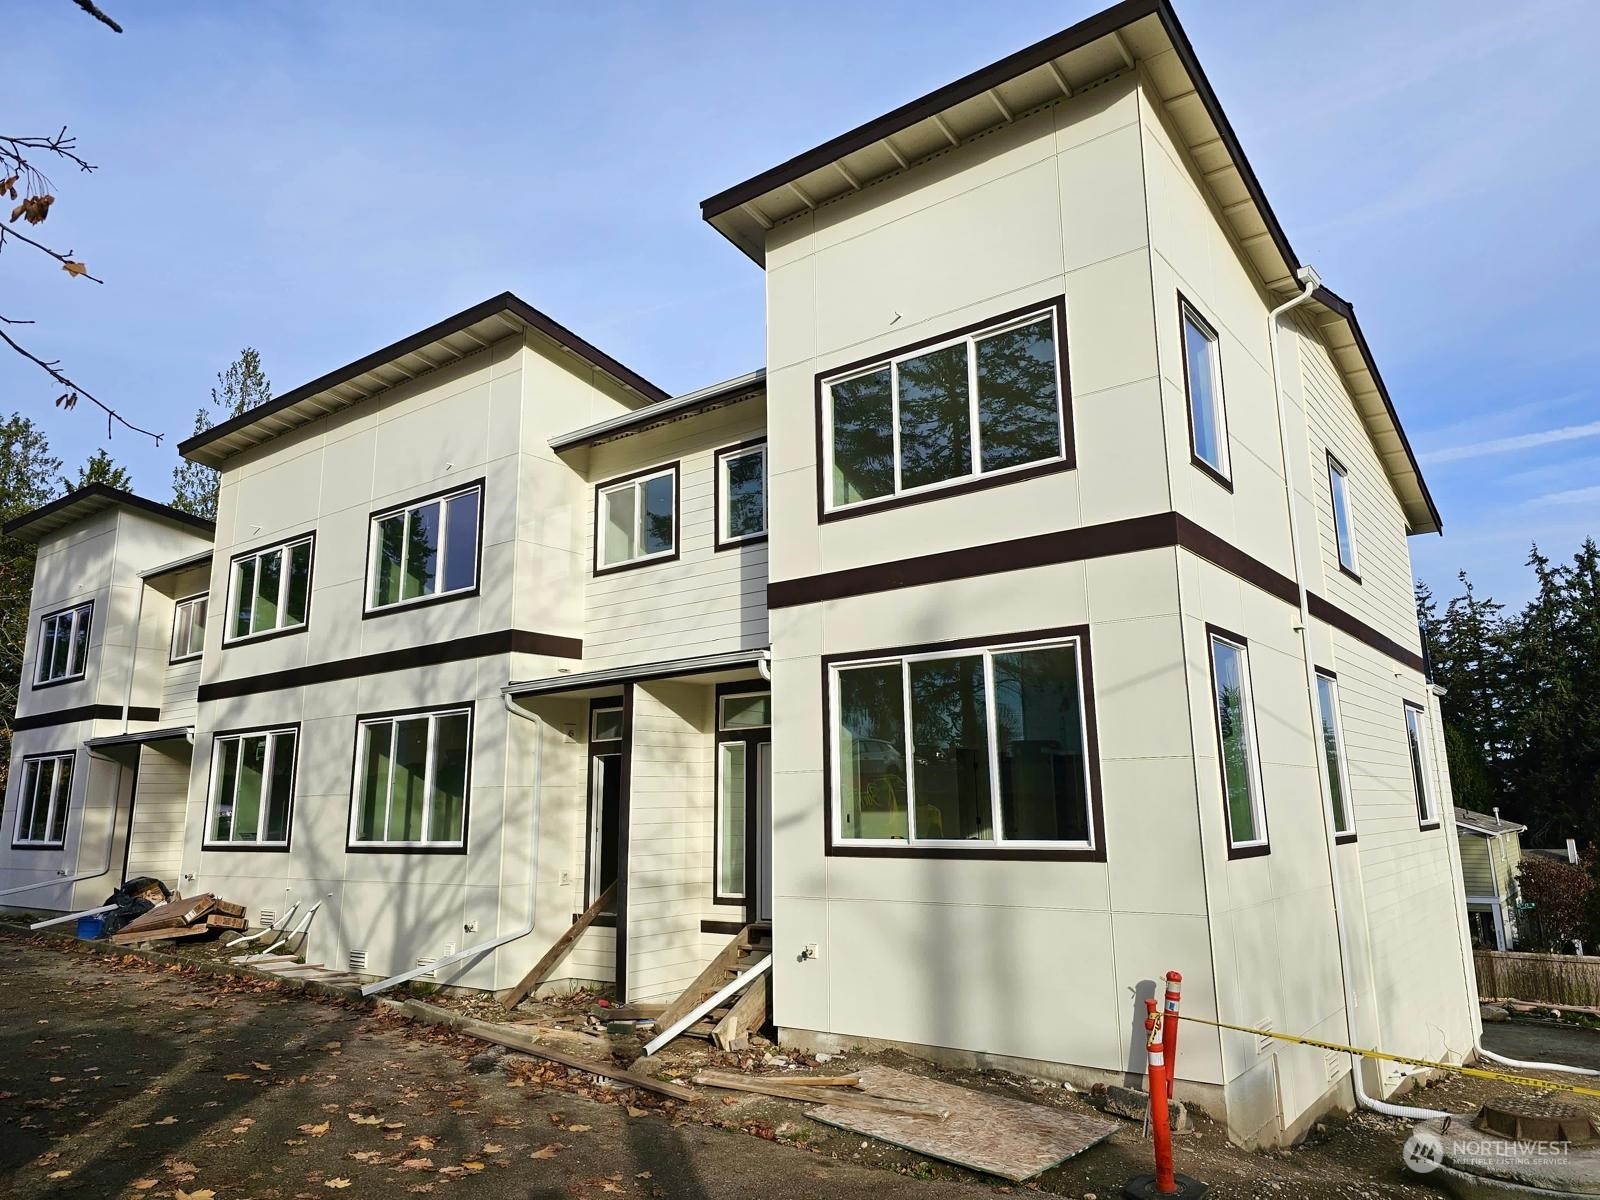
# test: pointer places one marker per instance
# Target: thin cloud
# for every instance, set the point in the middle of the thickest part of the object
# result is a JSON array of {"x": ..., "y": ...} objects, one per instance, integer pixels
[
  {"x": 1507, "y": 445},
  {"x": 1583, "y": 495}
]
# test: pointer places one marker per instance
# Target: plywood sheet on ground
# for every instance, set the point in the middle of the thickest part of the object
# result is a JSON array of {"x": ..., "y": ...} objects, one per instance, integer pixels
[{"x": 995, "y": 1134}]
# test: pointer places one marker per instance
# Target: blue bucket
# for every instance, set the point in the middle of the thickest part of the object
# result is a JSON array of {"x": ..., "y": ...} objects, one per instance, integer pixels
[{"x": 90, "y": 928}]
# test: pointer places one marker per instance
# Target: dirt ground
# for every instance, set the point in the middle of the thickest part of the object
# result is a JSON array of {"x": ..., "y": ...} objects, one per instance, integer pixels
[{"x": 119, "y": 1078}]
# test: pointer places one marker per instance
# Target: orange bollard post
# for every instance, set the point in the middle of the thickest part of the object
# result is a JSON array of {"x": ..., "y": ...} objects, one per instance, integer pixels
[
  {"x": 1165, "y": 1181},
  {"x": 1170, "y": 1028}
]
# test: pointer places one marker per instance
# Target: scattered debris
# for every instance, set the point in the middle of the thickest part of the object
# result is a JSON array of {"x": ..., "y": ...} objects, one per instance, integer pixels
[
  {"x": 809, "y": 1092},
  {"x": 180, "y": 918},
  {"x": 697, "y": 1013},
  {"x": 558, "y": 950},
  {"x": 1133, "y": 1104}
]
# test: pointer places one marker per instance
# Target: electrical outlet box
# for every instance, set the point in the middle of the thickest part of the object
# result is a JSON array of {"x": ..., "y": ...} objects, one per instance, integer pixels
[
  {"x": 811, "y": 951},
  {"x": 566, "y": 879},
  {"x": 470, "y": 927}
]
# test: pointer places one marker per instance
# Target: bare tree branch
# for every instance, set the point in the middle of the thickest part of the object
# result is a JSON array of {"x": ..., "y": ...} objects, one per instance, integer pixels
[
  {"x": 70, "y": 397},
  {"x": 89, "y": 7}
]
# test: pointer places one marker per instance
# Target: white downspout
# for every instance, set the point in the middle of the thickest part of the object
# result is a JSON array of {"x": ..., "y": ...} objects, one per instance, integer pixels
[
  {"x": 1310, "y": 281},
  {"x": 764, "y": 665},
  {"x": 526, "y": 928}
]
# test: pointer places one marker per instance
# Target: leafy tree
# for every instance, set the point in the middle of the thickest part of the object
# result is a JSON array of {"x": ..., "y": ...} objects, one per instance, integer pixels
[
  {"x": 241, "y": 387},
  {"x": 26, "y": 468},
  {"x": 101, "y": 468}
]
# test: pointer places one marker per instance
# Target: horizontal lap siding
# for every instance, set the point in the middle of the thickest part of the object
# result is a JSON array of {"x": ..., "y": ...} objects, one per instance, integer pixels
[{"x": 155, "y": 842}]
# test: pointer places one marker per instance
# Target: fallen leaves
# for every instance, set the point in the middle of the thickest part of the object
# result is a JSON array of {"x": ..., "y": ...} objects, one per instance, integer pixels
[
  {"x": 550, "y": 1151},
  {"x": 361, "y": 1119},
  {"x": 316, "y": 1130},
  {"x": 143, "y": 1185},
  {"x": 470, "y": 1164},
  {"x": 417, "y": 1164},
  {"x": 261, "y": 1066},
  {"x": 423, "y": 1142},
  {"x": 339, "y": 1182},
  {"x": 58, "y": 1174},
  {"x": 579, "y": 1128},
  {"x": 236, "y": 1076},
  {"x": 202, "y": 1194}
]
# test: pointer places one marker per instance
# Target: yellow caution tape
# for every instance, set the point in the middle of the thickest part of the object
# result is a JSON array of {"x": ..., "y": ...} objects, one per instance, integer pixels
[{"x": 1475, "y": 1072}]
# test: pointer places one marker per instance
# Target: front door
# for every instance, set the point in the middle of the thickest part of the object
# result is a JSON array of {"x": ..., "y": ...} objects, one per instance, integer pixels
[{"x": 743, "y": 860}]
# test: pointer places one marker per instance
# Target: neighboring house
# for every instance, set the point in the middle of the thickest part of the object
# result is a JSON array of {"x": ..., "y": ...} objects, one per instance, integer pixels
[
  {"x": 1033, "y": 623},
  {"x": 1491, "y": 850}
]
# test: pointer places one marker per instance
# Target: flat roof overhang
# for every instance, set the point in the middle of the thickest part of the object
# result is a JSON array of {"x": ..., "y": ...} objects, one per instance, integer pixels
[
  {"x": 171, "y": 733},
  {"x": 95, "y": 498},
  {"x": 449, "y": 341},
  {"x": 663, "y": 412},
  {"x": 707, "y": 668},
  {"x": 1133, "y": 35},
  {"x": 176, "y": 565}
]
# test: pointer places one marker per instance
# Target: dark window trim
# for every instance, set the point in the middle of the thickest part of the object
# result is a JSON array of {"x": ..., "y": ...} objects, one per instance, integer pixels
[
  {"x": 250, "y": 639},
  {"x": 738, "y": 448},
  {"x": 1348, "y": 836},
  {"x": 207, "y": 846},
  {"x": 38, "y": 642},
  {"x": 624, "y": 821},
  {"x": 1420, "y": 772},
  {"x": 1265, "y": 847},
  {"x": 83, "y": 712},
  {"x": 172, "y": 636},
  {"x": 751, "y": 738},
  {"x": 352, "y": 846},
  {"x": 16, "y": 821},
  {"x": 1187, "y": 310},
  {"x": 1335, "y": 465},
  {"x": 635, "y": 564},
  {"x": 989, "y": 850},
  {"x": 722, "y": 928},
  {"x": 596, "y": 704},
  {"x": 367, "y": 610},
  {"x": 1055, "y": 305}
]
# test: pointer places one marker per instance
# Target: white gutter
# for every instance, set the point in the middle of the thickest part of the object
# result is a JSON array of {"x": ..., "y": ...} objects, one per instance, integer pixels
[
  {"x": 482, "y": 948},
  {"x": 1309, "y": 282}
]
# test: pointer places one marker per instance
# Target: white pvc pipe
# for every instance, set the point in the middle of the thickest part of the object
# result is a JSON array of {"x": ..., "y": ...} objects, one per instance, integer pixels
[
  {"x": 1309, "y": 283},
  {"x": 298, "y": 931},
  {"x": 261, "y": 933},
  {"x": 482, "y": 948},
  {"x": 88, "y": 912},
  {"x": 1532, "y": 1066},
  {"x": 736, "y": 984}
]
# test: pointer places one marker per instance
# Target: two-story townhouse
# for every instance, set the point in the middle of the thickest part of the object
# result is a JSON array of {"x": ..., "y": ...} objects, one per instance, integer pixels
[
  {"x": 100, "y": 751},
  {"x": 1088, "y": 649}
]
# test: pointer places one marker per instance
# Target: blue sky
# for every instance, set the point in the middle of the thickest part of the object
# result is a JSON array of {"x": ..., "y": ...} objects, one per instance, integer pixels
[{"x": 318, "y": 180}]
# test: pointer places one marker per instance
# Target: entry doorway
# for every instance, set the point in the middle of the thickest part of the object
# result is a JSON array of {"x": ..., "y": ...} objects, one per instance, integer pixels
[
  {"x": 605, "y": 798},
  {"x": 743, "y": 860}
]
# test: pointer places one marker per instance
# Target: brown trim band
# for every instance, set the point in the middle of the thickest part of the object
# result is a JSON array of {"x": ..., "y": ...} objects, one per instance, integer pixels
[
  {"x": 83, "y": 712},
  {"x": 1159, "y": 531},
  {"x": 480, "y": 645}
]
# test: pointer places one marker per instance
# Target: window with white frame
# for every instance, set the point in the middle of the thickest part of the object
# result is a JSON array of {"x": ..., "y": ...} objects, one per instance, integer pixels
[
  {"x": 189, "y": 628},
  {"x": 963, "y": 748},
  {"x": 1344, "y": 529},
  {"x": 425, "y": 550},
  {"x": 270, "y": 590},
  {"x": 637, "y": 519},
  {"x": 1202, "y": 380},
  {"x": 744, "y": 721},
  {"x": 252, "y": 789},
  {"x": 741, "y": 494},
  {"x": 1332, "y": 730},
  {"x": 1236, "y": 742},
  {"x": 63, "y": 649},
  {"x": 975, "y": 404},
  {"x": 1416, "y": 746},
  {"x": 43, "y": 800},
  {"x": 411, "y": 780}
]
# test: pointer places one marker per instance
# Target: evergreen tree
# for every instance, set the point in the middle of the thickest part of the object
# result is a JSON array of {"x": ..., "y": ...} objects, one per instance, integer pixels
[
  {"x": 241, "y": 387},
  {"x": 100, "y": 468}
]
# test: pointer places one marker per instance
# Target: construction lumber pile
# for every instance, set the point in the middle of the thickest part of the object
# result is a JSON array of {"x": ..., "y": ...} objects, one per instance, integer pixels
[{"x": 180, "y": 918}]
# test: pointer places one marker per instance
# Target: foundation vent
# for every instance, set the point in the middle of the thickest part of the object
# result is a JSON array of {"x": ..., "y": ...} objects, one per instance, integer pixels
[
  {"x": 268, "y": 917},
  {"x": 449, "y": 949},
  {"x": 358, "y": 960},
  {"x": 1263, "y": 1042},
  {"x": 1333, "y": 1064},
  {"x": 425, "y": 962}
]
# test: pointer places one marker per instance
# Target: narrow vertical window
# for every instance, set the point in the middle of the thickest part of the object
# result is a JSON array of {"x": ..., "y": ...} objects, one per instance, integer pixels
[
  {"x": 425, "y": 550},
  {"x": 62, "y": 653},
  {"x": 188, "y": 628},
  {"x": 1344, "y": 530},
  {"x": 636, "y": 519},
  {"x": 43, "y": 801},
  {"x": 1202, "y": 381},
  {"x": 270, "y": 590},
  {"x": 252, "y": 790},
  {"x": 1418, "y": 754},
  {"x": 744, "y": 721},
  {"x": 741, "y": 495},
  {"x": 1236, "y": 744},
  {"x": 1332, "y": 732}
]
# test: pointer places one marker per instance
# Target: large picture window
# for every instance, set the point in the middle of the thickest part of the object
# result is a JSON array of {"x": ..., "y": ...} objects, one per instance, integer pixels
[
  {"x": 1202, "y": 381},
  {"x": 63, "y": 651},
  {"x": 252, "y": 789},
  {"x": 425, "y": 550},
  {"x": 1417, "y": 749},
  {"x": 270, "y": 590},
  {"x": 965, "y": 747},
  {"x": 1332, "y": 731},
  {"x": 636, "y": 519},
  {"x": 1236, "y": 744},
  {"x": 411, "y": 780},
  {"x": 978, "y": 403},
  {"x": 741, "y": 494},
  {"x": 188, "y": 628},
  {"x": 43, "y": 801}
]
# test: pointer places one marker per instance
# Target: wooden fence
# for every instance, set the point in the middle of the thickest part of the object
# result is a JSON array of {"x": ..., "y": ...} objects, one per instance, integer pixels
[{"x": 1538, "y": 978}]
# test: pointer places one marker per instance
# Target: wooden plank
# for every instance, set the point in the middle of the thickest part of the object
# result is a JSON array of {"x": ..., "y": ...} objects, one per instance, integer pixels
[
  {"x": 558, "y": 949},
  {"x": 998, "y": 1135},
  {"x": 172, "y": 914},
  {"x": 764, "y": 1086},
  {"x": 737, "y": 984},
  {"x": 124, "y": 938},
  {"x": 707, "y": 983},
  {"x": 228, "y": 908},
  {"x": 216, "y": 920},
  {"x": 744, "y": 1018},
  {"x": 523, "y": 1043}
]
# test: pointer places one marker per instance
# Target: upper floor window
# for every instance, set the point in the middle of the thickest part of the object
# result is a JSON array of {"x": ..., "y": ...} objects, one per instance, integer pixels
[
  {"x": 1344, "y": 529},
  {"x": 425, "y": 550},
  {"x": 63, "y": 650},
  {"x": 1236, "y": 744},
  {"x": 252, "y": 789},
  {"x": 43, "y": 800},
  {"x": 411, "y": 780},
  {"x": 188, "y": 628},
  {"x": 637, "y": 519},
  {"x": 973, "y": 404},
  {"x": 1202, "y": 382},
  {"x": 964, "y": 748},
  {"x": 1333, "y": 753},
  {"x": 270, "y": 589},
  {"x": 741, "y": 494},
  {"x": 1417, "y": 747}
]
